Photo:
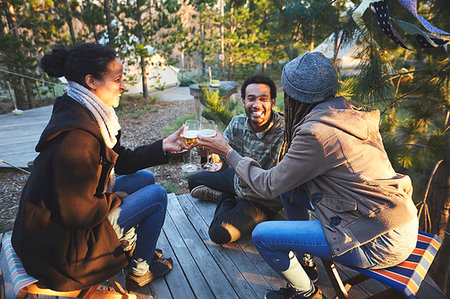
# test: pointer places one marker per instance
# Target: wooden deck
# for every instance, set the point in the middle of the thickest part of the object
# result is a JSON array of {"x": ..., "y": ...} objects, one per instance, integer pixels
[
  {"x": 203, "y": 269},
  {"x": 19, "y": 135}
]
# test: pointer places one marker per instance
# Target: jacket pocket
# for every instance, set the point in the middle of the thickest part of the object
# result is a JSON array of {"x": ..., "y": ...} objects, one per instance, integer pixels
[
  {"x": 338, "y": 204},
  {"x": 337, "y": 211}
]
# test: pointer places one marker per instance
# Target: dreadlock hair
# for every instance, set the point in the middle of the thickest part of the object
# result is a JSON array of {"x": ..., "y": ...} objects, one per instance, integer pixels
[{"x": 294, "y": 114}]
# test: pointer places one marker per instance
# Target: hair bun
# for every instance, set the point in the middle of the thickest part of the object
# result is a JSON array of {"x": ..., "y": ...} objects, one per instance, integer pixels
[{"x": 53, "y": 63}]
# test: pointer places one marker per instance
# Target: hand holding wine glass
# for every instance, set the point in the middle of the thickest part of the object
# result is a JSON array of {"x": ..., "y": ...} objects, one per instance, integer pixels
[
  {"x": 208, "y": 130},
  {"x": 174, "y": 143},
  {"x": 217, "y": 145},
  {"x": 190, "y": 132}
]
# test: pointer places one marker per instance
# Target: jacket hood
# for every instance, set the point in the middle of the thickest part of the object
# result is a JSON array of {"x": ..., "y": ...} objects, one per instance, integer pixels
[
  {"x": 346, "y": 116},
  {"x": 67, "y": 115}
]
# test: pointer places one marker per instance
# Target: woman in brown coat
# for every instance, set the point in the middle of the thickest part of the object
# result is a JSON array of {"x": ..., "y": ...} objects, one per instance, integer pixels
[{"x": 74, "y": 224}]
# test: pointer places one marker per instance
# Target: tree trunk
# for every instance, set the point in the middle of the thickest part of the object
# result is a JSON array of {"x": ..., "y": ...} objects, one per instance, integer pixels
[
  {"x": 16, "y": 83},
  {"x": 230, "y": 57},
  {"x": 202, "y": 51},
  {"x": 107, "y": 9},
  {"x": 144, "y": 78},
  {"x": 93, "y": 29},
  {"x": 18, "y": 88},
  {"x": 21, "y": 101},
  {"x": 222, "y": 44},
  {"x": 438, "y": 201},
  {"x": 30, "y": 93},
  {"x": 141, "y": 37},
  {"x": 69, "y": 21}
]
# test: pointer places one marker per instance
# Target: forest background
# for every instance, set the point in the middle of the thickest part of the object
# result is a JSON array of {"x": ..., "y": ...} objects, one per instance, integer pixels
[{"x": 229, "y": 40}]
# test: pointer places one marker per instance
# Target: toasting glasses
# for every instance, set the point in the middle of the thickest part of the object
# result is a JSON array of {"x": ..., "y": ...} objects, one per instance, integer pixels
[
  {"x": 190, "y": 133},
  {"x": 208, "y": 129}
]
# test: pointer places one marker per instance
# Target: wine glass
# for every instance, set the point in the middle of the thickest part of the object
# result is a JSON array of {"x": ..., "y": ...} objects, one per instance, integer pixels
[
  {"x": 190, "y": 132},
  {"x": 208, "y": 129}
]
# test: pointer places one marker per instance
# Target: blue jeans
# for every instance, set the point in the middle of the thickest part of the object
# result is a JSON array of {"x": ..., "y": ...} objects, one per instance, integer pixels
[
  {"x": 277, "y": 241},
  {"x": 222, "y": 181},
  {"x": 233, "y": 217},
  {"x": 140, "y": 217}
]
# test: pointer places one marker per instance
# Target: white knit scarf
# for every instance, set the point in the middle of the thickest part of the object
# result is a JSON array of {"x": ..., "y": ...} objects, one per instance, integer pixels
[{"x": 105, "y": 116}]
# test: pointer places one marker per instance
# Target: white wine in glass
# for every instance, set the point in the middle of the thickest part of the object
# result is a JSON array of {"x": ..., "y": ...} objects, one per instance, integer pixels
[
  {"x": 190, "y": 133},
  {"x": 190, "y": 137},
  {"x": 208, "y": 129}
]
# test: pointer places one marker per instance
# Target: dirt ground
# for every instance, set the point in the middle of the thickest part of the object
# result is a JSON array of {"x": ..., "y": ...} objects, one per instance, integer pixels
[{"x": 135, "y": 131}]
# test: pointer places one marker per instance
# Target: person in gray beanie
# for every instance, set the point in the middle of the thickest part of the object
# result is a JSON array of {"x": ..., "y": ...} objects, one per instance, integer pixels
[{"x": 332, "y": 162}]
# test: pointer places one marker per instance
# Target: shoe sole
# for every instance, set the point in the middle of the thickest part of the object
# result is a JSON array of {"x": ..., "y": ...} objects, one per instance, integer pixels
[{"x": 131, "y": 286}]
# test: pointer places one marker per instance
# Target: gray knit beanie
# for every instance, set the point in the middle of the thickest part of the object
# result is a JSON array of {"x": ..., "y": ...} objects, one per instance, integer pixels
[{"x": 310, "y": 78}]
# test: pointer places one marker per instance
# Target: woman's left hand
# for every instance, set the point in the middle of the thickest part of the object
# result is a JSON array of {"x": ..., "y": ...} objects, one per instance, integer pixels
[
  {"x": 217, "y": 145},
  {"x": 174, "y": 143}
]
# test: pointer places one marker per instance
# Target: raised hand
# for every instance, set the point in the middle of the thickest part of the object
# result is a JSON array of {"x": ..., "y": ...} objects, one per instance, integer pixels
[
  {"x": 217, "y": 145},
  {"x": 174, "y": 143}
]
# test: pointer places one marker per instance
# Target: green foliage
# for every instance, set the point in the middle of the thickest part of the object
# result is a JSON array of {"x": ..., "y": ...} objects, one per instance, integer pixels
[
  {"x": 145, "y": 31},
  {"x": 135, "y": 106},
  {"x": 218, "y": 108},
  {"x": 186, "y": 82},
  {"x": 410, "y": 87},
  {"x": 176, "y": 124},
  {"x": 371, "y": 84},
  {"x": 170, "y": 187},
  {"x": 415, "y": 124},
  {"x": 279, "y": 105}
]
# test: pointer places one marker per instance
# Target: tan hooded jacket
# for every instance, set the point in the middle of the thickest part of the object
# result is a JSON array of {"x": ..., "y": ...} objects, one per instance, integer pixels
[{"x": 337, "y": 154}]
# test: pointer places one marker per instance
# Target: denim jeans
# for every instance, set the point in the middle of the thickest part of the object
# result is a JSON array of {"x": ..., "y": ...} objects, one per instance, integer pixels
[
  {"x": 233, "y": 217},
  {"x": 277, "y": 241},
  {"x": 140, "y": 217},
  {"x": 222, "y": 181}
]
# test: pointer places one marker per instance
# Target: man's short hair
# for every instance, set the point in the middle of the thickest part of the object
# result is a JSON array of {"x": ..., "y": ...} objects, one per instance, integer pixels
[{"x": 259, "y": 79}]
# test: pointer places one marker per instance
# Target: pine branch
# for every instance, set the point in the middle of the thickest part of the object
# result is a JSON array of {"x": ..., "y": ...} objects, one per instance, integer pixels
[
  {"x": 405, "y": 73},
  {"x": 413, "y": 144},
  {"x": 415, "y": 89}
]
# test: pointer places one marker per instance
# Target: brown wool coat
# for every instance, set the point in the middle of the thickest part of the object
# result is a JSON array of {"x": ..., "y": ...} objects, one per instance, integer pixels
[{"x": 61, "y": 233}]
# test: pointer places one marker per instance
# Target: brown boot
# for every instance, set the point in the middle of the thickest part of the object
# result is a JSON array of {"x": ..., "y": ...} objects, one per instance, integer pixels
[
  {"x": 205, "y": 193},
  {"x": 158, "y": 268}
]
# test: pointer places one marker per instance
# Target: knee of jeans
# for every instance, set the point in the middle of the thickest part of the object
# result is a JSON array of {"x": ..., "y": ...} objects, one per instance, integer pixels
[
  {"x": 259, "y": 234},
  {"x": 219, "y": 234},
  {"x": 192, "y": 182},
  {"x": 148, "y": 176},
  {"x": 160, "y": 193}
]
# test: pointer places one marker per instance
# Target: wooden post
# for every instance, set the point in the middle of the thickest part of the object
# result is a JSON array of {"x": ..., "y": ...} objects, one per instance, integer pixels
[
  {"x": 11, "y": 95},
  {"x": 38, "y": 91},
  {"x": 197, "y": 108}
]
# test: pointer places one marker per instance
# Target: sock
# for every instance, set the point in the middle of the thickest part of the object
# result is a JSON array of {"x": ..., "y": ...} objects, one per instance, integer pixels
[{"x": 297, "y": 277}]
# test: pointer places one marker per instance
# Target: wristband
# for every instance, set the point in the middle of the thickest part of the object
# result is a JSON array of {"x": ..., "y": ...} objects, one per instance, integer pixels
[{"x": 229, "y": 151}]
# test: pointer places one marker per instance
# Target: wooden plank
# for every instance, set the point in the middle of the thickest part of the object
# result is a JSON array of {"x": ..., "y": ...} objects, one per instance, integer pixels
[
  {"x": 209, "y": 268},
  {"x": 180, "y": 247},
  {"x": 272, "y": 277},
  {"x": 257, "y": 281},
  {"x": 20, "y": 134},
  {"x": 235, "y": 277},
  {"x": 18, "y": 140},
  {"x": 176, "y": 281},
  {"x": 429, "y": 289},
  {"x": 35, "y": 125},
  {"x": 345, "y": 273}
]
